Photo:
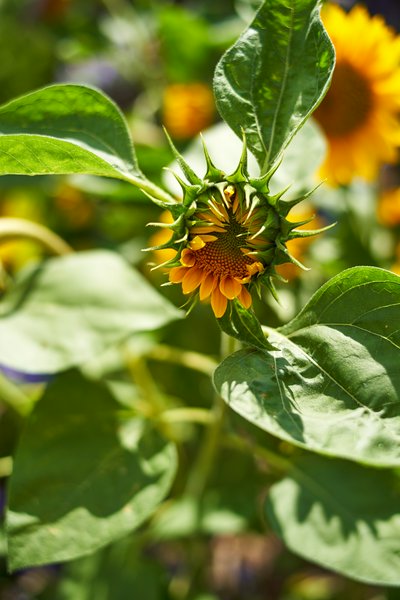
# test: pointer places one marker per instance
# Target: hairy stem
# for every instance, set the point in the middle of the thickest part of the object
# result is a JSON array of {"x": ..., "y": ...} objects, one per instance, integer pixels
[
  {"x": 209, "y": 449},
  {"x": 152, "y": 190}
]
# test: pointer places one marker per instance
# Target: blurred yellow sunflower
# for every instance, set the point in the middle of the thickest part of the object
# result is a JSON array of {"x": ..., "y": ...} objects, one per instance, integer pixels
[
  {"x": 188, "y": 108},
  {"x": 396, "y": 265},
  {"x": 389, "y": 207},
  {"x": 360, "y": 113},
  {"x": 298, "y": 246}
]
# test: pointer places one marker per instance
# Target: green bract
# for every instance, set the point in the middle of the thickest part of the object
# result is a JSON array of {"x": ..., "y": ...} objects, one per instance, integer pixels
[{"x": 229, "y": 233}]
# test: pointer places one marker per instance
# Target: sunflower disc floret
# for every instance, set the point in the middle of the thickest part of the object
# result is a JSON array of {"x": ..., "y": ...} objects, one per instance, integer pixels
[{"x": 229, "y": 233}]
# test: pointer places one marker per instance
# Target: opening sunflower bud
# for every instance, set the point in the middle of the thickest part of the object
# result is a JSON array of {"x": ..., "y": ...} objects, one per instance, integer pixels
[{"x": 229, "y": 234}]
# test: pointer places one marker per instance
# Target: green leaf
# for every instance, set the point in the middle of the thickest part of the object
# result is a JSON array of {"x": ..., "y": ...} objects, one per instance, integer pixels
[
  {"x": 333, "y": 385},
  {"x": 70, "y": 309},
  {"x": 65, "y": 129},
  {"x": 112, "y": 574},
  {"x": 81, "y": 478},
  {"x": 274, "y": 76},
  {"x": 342, "y": 516},
  {"x": 243, "y": 325}
]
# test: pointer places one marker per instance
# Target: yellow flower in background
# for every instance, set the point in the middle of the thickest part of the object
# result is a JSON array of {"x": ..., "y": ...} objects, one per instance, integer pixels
[
  {"x": 188, "y": 108},
  {"x": 360, "y": 113},
  {"x": 299, "y": 246},
  {"x": 14, "y": 254},
  {"x": 76, "y": 211},
  {"x": 389, "y": 207},
  {"x": 396, "y": 266},
  {"x": 161, "y": 237}
]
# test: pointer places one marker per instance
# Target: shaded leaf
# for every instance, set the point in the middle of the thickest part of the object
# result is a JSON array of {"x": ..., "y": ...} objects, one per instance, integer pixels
[
  {"x": 82, "y": 478},
  {"x": 342, "y": 516},
  {"x": 243, "y": 325},
  {"x": 274, "y": 76},
  {"x": 333, "y": 385},
  {"x": 70, "y": 309}
]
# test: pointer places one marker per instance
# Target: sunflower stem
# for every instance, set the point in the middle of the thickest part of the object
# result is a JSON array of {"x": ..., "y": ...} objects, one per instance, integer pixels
[
  {"x": 212, "y": 439},
  {"x": 185, "y": 358},
  {"x": 157, "y": 194},
  {"x": 201, "y": 416},
  {"x": 13, "y": 228},
  {"x": 14, "y": 397}
]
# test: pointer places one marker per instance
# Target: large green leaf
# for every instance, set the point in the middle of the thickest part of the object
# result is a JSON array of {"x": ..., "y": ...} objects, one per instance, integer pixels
[
  {"x": 82, "y": 478},
  {"x": 342, "y": 516},
  {"x": 333, "y": 384},
  {"x": 275, "y": 75},
  {"x": 66, "y": 129},
  {"x": 71, "y": 309}
]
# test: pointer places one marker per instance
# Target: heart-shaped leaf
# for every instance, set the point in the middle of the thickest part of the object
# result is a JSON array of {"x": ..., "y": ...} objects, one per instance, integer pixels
[{"x": 333, "y": 384}]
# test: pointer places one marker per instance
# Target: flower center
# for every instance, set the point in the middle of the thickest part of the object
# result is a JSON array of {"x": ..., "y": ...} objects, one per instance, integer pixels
[
  {"x": 347, "y": 104},
  {"x": 224, "y": 255}
]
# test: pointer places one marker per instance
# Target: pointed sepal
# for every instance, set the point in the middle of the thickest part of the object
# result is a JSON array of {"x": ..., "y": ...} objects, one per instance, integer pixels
[
  {"x": 186, "y": 168},
  {"x": 213, "y": 173}
]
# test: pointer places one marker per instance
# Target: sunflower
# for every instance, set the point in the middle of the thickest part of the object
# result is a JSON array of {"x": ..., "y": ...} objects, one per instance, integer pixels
[
  {"x": 221, "y": 256},
  {"x": 299, "y": 246},
  {"x": 360, "y": 112},
  {"x": 389, "y": 207},
  {"x": 229, "y": 233},
  {"x": 187, "y": 109}
]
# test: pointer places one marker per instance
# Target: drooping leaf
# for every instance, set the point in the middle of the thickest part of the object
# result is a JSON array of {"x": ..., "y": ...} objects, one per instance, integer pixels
[
  {"x": 70, "y": 309},
  {"x": 342, "y": 516},
  {"x": 274, "y": 76},
  {"x": 82, "y": 478},
  {"x": 333, "y": 385},
  {"x": 67, "y": 129}
]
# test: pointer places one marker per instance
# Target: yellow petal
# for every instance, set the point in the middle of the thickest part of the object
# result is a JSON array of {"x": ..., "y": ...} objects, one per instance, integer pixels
[
  {"x": 188, "y": 258},
  {"x": 207, "y": 285},
  {"x": 245, "y": 298},
  {"x": 191, "y": 280},
  {"x": 219, "y": 302},
  {"x": 196, "y": 243},
  {"x": 176, "y": 274},
  {"x": 230, "y": 287}
]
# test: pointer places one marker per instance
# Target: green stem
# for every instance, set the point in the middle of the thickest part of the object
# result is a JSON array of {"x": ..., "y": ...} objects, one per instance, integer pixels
[
  {"x": 208, "y": 451},
  {"x": 203, "y": 416},
  {"x": 6, "y": 466},
  {"x": 13, "y": 228},
  {"x": 146, "y": 384},
  {"x": 151, "y": 190},
  {"x": 274, "y": 460},
  {"x": 191, "y": 360},
  {"x": 11, "y": 395}
]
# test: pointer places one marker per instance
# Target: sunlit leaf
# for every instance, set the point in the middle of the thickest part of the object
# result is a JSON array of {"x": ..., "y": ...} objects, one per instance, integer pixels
[
  {"x": 65, "y": 129},
  {"x": 333, "y": 385},
  {"x": 274, "y": 76}
]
